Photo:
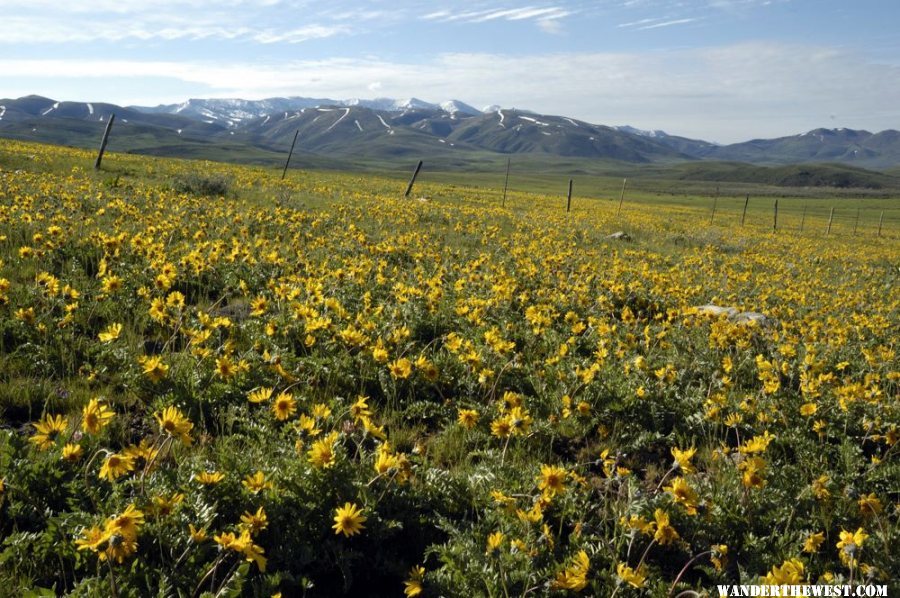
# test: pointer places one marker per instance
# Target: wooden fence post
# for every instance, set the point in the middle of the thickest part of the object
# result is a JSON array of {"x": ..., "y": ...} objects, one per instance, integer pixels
[
  {"x": 830, "y": 220},
  {"x": 412, "y": 181},
  {"x": 775, "y": 221},
  {"x": 506, "y": 183},
  {"x": 856, "y": 222},
  {"x": 103, "y": 143},
  {"x": 569, "y": 198},
  {"x": 880, "y": 221},
  {"x": 803, "y": 218},
  {"x": 715, "y": 203},
  {"x": 744, "y": 214},
  {"x": 622, "y": 197},
  {"x": 291, "y": 153}
]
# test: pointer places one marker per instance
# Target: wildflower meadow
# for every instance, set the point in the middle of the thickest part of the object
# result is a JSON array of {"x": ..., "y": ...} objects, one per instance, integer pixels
[{"x": 319, "y": 387}]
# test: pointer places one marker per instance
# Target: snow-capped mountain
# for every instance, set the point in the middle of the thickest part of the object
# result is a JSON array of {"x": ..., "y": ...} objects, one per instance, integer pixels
[
  {"x": 388, "y": 104},
  {"x": 452, "y": 107},
  {"x": 234, "y": 112}
]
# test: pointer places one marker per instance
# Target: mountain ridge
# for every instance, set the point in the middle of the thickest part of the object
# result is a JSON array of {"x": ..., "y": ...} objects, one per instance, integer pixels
[{"x": 384, "y": 127}]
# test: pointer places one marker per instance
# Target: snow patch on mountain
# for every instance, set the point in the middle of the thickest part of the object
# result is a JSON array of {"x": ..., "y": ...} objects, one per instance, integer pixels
[
  {"x": 343, "y": 116},
  {"x": 654, "y": 134},
  {"x": 535, "y": 121}
]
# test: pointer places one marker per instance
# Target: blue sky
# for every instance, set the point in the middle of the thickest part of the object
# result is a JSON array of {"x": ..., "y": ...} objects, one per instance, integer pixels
[{"x": 723, "y": 70}]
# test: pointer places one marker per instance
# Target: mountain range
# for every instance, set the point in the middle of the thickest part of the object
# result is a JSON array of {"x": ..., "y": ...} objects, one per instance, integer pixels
[{"x": 387, "y": 128}]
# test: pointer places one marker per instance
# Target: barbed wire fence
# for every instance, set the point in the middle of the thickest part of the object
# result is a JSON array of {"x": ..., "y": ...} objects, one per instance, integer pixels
[{"x": 834, "y": 217}]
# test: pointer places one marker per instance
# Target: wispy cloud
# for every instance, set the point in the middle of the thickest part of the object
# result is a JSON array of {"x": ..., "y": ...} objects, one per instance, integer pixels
[
  {"x": 656, "y": 23},
  {"x": 664, "y": 13},
  {"x": 733, "y": 5},
  {"x": 302, "y": 34},
  {"x": 44, "y": 22},
  {"x": 637, "y": 23},
  {"x": 667, "y": 24},
  {"x": 551, "y": 26},
  {"x": 37, "y": 22},
  {"x": 40, "y": 22},
  {"x": 541, "y": 14},
  {"x": 138, "y": 5},
  {"x": 17, "y": 30},
  {"x": 520, "y": 14}
]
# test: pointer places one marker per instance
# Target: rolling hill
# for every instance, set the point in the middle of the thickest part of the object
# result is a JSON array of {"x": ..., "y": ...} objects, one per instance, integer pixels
[{"x": 846, "y": 146}]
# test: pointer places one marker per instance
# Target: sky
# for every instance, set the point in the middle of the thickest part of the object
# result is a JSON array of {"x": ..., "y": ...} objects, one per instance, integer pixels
[{"x": 720, "y": 70}]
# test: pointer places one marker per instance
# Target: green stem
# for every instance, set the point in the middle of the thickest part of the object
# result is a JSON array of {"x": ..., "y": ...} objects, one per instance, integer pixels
[{"x": 112, "y": 580}]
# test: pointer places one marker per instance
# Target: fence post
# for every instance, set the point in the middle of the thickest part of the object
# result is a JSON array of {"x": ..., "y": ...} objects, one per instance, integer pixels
[
  {"x": 506, "y": 182},
  {"x": 622, "y": 196},
  {"x": 715, "y": 203},
  {"x": 569, "y": 198},
  {"x": 412, "y": 181},
  {"x": 103, "y": 143},
  {"x": 291, "y": 153},
  {"x": 803, "y": 218},
  {"x": 830, "y": 220},
  {"x": 880, "y": 221},
  {"x": 856, "y": 222},
  {"x": 744, "y": 214},
  {"x": 775, "y": 222}
]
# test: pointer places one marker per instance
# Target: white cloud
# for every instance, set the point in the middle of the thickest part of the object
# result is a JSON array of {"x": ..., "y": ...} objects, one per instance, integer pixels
[
  {"x": 437, "y": 15},
  {"x": 552, "y": 26}
]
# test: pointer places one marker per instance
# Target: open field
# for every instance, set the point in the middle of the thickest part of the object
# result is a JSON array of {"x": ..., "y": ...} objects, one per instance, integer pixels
[{"x": 318, "y": 387}]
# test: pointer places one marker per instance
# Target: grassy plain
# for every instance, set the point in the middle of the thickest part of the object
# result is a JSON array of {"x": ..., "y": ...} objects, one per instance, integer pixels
[{"x": 316, "y": 386}]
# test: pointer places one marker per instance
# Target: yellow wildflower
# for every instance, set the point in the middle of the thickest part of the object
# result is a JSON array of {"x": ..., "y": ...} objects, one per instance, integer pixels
[
  {"x": 348, "y": 520},
  {"x": 95, "y": 416}
]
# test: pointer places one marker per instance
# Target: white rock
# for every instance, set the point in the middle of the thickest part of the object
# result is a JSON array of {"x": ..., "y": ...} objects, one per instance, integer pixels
[
  {"x": 716, "y": 310},
  {"x": 751, "y": 318}
]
